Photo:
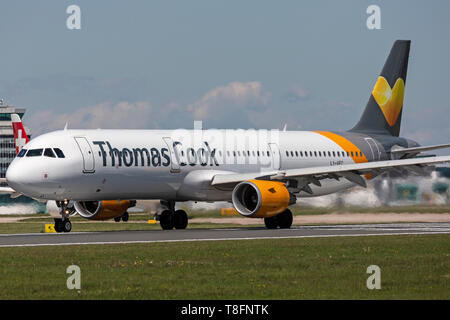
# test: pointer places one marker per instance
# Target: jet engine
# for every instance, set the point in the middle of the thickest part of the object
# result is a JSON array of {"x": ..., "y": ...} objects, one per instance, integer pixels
[
  {"x": 104, "y": 209},
  {"x": 261, "y": 198}
]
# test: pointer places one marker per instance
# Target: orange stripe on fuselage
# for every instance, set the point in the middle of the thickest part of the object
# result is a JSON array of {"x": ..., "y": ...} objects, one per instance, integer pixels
[{"x": 345, "y": 144}]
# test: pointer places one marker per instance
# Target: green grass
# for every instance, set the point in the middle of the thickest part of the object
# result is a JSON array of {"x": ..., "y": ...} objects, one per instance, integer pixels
[{"x": 412, "y": 267}]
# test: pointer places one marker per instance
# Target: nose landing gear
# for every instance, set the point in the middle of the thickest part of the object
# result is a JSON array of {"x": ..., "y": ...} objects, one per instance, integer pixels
[{"x": 64, "y": 224}]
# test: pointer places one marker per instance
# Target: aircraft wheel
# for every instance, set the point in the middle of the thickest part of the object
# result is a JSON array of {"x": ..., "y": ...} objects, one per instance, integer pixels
[
  {"x": 58, "y": 225},
  {"x": 180, "y": 219},
  {"x": 66, "y": 226},
  {"x": 125, "y": 216},
  {"x": 271, "y": 223},
  {"x": 285, "y": 219},
  {"x": 166, "y": 220},
  {"x": 117, "y": 219}
]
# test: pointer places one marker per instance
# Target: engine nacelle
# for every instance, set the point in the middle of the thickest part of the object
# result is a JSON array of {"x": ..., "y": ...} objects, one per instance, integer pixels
[
  {"x": 104, "y": 209},
  {"x": 261, "y": 198}
]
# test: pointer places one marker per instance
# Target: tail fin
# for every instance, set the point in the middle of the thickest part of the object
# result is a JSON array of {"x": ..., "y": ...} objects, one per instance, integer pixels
[
  {"x": 383, "y": 113},
  {"x": 20, "y": 136}
]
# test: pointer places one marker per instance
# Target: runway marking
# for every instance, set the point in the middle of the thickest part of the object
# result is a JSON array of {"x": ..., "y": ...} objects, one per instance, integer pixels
[{"x": 220, "y": 239}]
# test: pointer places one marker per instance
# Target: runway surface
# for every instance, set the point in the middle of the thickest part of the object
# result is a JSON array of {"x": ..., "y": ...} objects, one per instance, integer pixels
[{"x": 242, "y": 233}]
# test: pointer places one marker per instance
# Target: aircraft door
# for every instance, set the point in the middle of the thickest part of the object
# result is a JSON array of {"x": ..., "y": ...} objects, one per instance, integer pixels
[
  {"x": 174, "y": 155},
  {"x": 88, "y": 155},
  {"x": 275, "y": 153}
]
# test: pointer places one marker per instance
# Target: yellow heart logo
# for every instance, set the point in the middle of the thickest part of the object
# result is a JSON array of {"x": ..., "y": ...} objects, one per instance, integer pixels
[{"x": 389, "y": 100}]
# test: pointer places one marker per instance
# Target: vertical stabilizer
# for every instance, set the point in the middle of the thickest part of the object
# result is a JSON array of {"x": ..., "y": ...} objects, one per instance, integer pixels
[
  {"x": 20, "y": 136},
  {"x": 383, "y": 113}
]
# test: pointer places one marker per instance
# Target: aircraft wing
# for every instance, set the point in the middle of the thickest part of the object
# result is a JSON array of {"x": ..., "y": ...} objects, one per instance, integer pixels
[
  {"x": 9, "y": 190},
  {"x": 351, "y": 172},
  {"x": 6, "y": 190}
]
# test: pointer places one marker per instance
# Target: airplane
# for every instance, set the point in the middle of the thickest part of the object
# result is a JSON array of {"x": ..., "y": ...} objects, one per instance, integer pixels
[
  {"x": 20, "y": 140},
  {"x": 260, "y": 172}
]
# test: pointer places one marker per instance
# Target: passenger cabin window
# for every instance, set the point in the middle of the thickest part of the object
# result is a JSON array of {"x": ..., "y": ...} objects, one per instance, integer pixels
[
  {"x": 34, "y": 152},
  {"x": 22, "y": 153},
  {"x": 58, "y": 152},
  {"x": 49, "y": 153}
]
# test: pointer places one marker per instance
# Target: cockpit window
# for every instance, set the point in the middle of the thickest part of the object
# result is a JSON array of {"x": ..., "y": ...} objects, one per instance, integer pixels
[
  {"x": 34, "y": 152},
  {"x": 59, "y": 153},
  {"x": 22, "y": 153},
  {"x": 49, "y": 153}
]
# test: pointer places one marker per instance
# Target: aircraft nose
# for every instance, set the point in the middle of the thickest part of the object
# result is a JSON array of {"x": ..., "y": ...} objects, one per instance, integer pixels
[
  {"x": 30, "y": 179},
  {"x": 15, "y": 176},
  {"x": 21, "y": 177}
]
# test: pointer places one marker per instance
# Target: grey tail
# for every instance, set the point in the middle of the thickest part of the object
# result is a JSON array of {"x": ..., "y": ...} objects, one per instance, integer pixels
[{"x": 383, "y": 113}]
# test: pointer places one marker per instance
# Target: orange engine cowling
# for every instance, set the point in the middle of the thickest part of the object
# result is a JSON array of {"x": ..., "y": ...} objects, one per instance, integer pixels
[
  {"x": 104, "y": 209},
  {"x": 261, "y": 198}
]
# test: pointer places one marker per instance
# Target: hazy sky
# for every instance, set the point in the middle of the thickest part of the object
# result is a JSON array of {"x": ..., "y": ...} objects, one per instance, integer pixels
[{"x": 246, "y": 64}]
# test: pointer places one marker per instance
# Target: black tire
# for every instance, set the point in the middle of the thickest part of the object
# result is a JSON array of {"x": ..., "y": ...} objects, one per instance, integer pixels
[
  {"x": 66, "y": 226},
  {"x": 125, "y": 216},
  {"x": 180, "y": 219},
  {"x": 117, "y": 219},
  {"x": 271, "y": 223},
  {"x": 285, "y": 219},
  {"x": 58, "y": 225},
  {"x": 166, "y": 220}
]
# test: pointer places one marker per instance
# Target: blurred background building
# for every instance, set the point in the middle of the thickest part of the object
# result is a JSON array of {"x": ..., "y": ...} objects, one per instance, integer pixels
[{"x": 7, "y": 153}]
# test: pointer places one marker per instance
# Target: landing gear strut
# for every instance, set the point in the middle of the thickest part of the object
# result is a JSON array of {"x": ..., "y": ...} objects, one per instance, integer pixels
[
  {"x": 171, "y": 218},
  {"x": 282, "y": 220},
  {"x": 63, "y": 224}
]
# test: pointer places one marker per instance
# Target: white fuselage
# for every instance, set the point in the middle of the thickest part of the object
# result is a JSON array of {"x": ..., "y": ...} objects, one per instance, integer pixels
[{"x": 165, "y": 164}]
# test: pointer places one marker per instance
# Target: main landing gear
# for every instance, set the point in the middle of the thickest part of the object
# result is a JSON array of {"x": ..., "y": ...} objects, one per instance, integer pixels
[
  {"x": 282, "y": 220},
  {"x": 63, "y": 224},
  {"x": 123, "y": 217},
  {"x": 171, "y": 218}
]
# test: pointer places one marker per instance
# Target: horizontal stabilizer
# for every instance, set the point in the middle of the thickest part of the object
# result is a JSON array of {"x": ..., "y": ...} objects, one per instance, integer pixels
[{"x": 400, "y": 150}]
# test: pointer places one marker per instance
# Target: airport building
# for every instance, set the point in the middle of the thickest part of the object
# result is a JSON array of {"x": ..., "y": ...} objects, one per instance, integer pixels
[
  {"x": 7, "y": 147},
  {"x": 7, "y": 154}
]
